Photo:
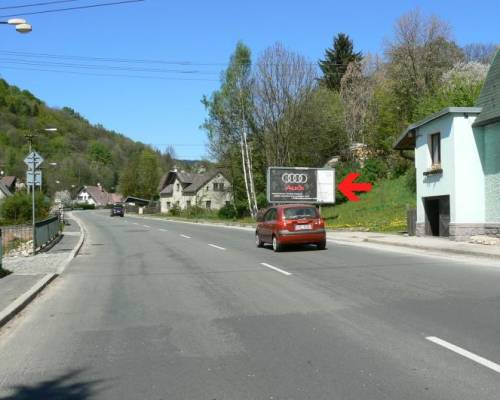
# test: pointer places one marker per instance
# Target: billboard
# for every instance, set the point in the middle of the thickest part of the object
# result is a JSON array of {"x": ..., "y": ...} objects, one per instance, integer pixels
[{"x": 300, "y": 185}]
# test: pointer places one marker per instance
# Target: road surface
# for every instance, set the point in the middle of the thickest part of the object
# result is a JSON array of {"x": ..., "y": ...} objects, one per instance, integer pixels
[{"x": 153, "y": 309}]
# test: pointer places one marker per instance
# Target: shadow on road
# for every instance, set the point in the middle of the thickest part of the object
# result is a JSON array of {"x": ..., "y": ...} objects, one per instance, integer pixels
[
  {"x": 67, "y": 387},
  {"x": 294, "y": 248}
]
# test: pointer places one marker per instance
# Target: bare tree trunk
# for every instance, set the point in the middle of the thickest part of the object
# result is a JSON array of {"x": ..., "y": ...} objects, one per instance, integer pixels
[
  {"x": 245, "y": 176},
  {"x": 250, "y": 177}
]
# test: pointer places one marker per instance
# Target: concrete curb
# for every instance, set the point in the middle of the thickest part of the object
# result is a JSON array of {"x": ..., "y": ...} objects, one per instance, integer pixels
[
  {"x": 22, "y": 301},
  {"x": 26, "y": 298},
  {"x": 78, "y": 246}
]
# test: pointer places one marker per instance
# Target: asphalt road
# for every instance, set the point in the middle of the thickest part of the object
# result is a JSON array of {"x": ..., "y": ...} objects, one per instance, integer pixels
[{"x": 168, "y": 310}]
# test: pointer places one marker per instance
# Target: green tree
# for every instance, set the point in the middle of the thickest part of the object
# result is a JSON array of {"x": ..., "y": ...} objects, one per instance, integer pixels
[
  {"x": 336, "y": 61},
  {"x": 148, "y": 174},
  {"x": 230, "y": 121},
  {"x": 17, "y": 208},
  {"x": 99, "y": 153}
]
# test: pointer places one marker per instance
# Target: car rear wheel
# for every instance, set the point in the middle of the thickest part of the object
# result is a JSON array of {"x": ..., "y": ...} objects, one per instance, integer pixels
[
  {"x": 321, "y": 245},
  {"x": 258, "y": 242},
  {"x": 276, "y": 245}
]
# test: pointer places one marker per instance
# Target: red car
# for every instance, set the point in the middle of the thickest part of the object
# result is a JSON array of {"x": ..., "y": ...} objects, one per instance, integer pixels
[{"x": 290, "y": 224}]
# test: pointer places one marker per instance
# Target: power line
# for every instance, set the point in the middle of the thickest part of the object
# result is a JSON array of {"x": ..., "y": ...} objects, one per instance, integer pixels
[
  {"x": 38, "y": 4},
  {"x": 129, "y": 60},
  {"x": 104, "y": 67},
  {"x": 148, "y": 77},
  {"x": 55, "y": 10}
]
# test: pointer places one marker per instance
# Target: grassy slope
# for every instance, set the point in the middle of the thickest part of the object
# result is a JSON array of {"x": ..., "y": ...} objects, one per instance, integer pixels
[{"x": 383, "y": 209}]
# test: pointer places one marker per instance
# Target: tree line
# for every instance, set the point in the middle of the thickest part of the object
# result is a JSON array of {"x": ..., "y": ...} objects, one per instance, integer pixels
[{"x": 286, "y": 110}]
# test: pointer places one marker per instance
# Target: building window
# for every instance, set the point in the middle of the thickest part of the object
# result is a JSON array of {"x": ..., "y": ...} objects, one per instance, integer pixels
[
  {"x": 435, "y": 147},
  {"x": 178, "y": 187},
  {"x": 208, "y": 204},
  {"x": 207, "y": 188},
  {"x": 168, "y": 204},
  {"x": 218, "y": 187},
  {"x": 228, "y": 203},
  {"x": 177, "y": 203},
  {"x": 188, "y": 203}
]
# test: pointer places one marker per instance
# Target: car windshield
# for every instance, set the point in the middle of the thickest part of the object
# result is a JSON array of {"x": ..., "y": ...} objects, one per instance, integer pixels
[{"x": 300, "y": 212}]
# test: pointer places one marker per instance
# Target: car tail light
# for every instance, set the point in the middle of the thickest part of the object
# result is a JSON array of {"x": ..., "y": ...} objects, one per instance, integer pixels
[{"x": 319, "y": 223}]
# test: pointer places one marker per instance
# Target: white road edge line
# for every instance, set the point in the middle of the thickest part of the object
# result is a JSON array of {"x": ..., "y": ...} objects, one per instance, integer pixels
[
  {"x": 276, "y": 269},
  {"x": 467, "y": 354},
  {"x": 216, "y": 247},
  {"x": 163, "y": 230},
  {"x": 186, "y": 236},
  {"x": 146, "y": 226}
]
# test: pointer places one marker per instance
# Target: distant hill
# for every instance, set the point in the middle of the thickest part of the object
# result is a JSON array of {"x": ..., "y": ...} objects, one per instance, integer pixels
[{"x": 85, "y": 153}]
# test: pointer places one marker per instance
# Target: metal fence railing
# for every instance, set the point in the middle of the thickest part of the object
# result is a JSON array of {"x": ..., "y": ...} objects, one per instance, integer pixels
[{"x": 46, "y": 231}]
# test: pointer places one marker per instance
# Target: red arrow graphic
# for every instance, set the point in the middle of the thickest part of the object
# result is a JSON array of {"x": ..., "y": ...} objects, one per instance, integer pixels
[{"x": 348, "y": 186}]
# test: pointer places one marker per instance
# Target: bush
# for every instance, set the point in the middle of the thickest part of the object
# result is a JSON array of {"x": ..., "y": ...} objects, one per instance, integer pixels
[
  {"x": 17, "y": 209},
  {"x": 85, "y": 206},
  {"x": 175, "y": 211},
  {"x": 228, "y": 212},
  {"x": 374, "y": 170},
  {"x": 411, "y": 179},
  {"x": 194, "y": 211}
]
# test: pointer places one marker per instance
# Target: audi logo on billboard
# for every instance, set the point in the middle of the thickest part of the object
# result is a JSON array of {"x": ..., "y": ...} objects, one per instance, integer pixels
[{"x": 294, "y": 178}]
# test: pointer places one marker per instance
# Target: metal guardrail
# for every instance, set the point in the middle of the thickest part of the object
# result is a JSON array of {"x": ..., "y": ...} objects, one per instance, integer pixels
[{"x": 46, "y": 231}]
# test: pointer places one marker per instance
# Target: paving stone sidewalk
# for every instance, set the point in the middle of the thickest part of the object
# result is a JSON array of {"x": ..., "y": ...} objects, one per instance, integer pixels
[{"x": 26, "y": 271}]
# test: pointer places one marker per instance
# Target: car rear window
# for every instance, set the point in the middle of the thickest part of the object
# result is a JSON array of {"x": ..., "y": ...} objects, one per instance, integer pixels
[{"x": 301, "y": 212}]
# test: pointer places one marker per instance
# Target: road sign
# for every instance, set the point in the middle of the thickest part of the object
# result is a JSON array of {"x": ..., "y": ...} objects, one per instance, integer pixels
[
  {"x": 38, "y": 178},
  {"x": 35, "y": 158},
  {"x": 300, "y": 185}
]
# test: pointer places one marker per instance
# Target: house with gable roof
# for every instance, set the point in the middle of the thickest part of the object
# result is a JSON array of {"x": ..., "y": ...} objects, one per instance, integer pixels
[
  {"x": 211, "y": 190},
  {"x": 97, "y": 196},
  {"x": 457, "y": 161}
]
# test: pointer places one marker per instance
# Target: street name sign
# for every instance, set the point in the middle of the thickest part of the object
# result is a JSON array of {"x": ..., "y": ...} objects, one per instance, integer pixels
[
  {"x": 33, "y": 158},
  {"x": 301, "y": 185},
  {"x": 38, "y": 178}
]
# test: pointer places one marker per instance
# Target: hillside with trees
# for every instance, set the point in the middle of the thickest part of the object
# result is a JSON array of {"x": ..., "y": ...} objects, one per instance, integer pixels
[
  {"x": 286, "y": 110},
  {"x": 85, "y": 154}
]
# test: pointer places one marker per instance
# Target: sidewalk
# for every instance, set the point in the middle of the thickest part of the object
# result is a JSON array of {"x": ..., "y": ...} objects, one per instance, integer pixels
[
  {"x": 31, "y": 274},
  {"x": 441, "y": 245}
]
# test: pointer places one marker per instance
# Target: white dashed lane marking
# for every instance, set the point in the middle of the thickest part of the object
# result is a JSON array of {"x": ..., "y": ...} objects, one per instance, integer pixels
[
  {"x": 281, "y": 271},
  {"x": 186, "y": 236},
  {"x": 464, "y": 353},
  {"x": 216, "y": 247}
]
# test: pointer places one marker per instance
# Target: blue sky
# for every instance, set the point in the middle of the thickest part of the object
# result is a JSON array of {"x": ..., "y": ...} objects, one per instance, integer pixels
[{"x": 162, "y": 112}]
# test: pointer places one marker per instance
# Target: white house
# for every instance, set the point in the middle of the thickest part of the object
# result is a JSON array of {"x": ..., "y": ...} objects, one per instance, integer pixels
[
  {"x": 457, "y": 160},
  {"x": 97, "y": 196},
  {"x": 209, "y": 190}
]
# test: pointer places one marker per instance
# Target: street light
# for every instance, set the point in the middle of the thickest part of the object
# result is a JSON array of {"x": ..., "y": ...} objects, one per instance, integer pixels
[{"x": 21, "y": 25}]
